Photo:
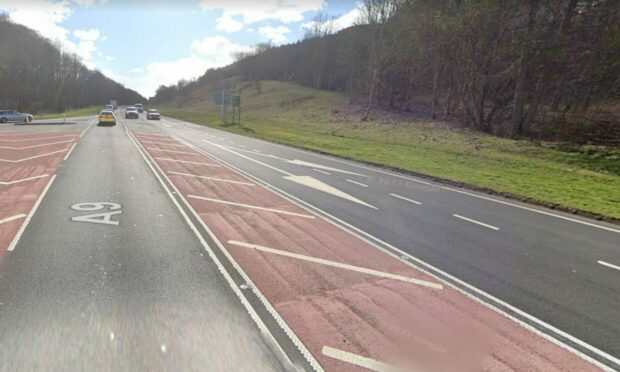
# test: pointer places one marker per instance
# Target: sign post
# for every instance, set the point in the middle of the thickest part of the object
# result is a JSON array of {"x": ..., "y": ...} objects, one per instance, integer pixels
[{"x": 225, "y": 98}]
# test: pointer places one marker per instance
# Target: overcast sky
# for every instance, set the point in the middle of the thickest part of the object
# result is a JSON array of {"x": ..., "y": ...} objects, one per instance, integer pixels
[{"x": 144, "y": 44}]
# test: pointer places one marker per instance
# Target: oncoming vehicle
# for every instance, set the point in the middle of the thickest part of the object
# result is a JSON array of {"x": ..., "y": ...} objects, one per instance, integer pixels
[
  {"x": 109, "y": 108},
  {"x": 106, "y": 117},
  {"x": 13, "y": 116},
  {"x": 153, "y": 114},
  {"x": 131, "y": 113},
  {"x": 139, "y": 107}
]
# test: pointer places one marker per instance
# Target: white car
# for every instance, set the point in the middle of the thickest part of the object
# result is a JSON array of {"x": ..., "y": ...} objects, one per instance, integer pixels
[{"x": 13, "y": 116}]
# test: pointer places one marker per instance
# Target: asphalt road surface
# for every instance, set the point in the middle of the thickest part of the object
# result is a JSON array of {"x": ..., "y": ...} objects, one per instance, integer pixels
[{"x": 212, "y": 251}]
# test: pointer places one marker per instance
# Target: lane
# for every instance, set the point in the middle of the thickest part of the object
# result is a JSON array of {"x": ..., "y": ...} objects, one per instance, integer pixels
[
  {"x": 123, "y": 285},
  {"x": 545, "y": 266},
  {"x": 30, "y": 155},
  {"x": 346, "y": 300}
]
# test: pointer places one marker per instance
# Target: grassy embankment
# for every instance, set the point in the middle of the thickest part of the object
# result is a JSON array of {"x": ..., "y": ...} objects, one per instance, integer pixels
[
  {"x": 583, "y": 179},
  {"x": 85, "y": 111}
]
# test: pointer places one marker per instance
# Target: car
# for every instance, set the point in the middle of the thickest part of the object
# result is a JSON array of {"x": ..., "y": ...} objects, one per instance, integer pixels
[
  {"x": 139, "y": 107},
  {"x": 153, "y": 114},
  {"x": 109, "y": 108},
  {"x": 106, "y": 117},
  {"x": 131, "y": 113},
  {"x": 13, "y": 116}
]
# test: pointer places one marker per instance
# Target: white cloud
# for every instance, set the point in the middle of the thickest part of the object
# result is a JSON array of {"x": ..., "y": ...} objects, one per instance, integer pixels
[
  {"x": 110, "y": 58},
  {"x": 88, "y": 35},
  {"x": 227, "y": 23},
  {"x": 208, "y": 52},
  {"x": 252, "y": 11},
  {"x": 348, "y": 19},
  {"x": 275, "y": 34},
  {"x": 46, "y": 18}
]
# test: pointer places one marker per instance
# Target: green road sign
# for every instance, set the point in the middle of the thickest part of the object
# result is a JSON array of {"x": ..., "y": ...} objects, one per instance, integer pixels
[{"x": 236, "y": 101}]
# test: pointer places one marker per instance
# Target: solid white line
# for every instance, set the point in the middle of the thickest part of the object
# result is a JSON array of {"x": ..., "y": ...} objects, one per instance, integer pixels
[
  {"x": 22, "y": 180},
  {"x": 320, "y": 171},
  {"x": 424, "y": 267},
  {"x": 212, "y": 178},
  {"x": 33, "y": 146},
  {"x": 407, "y": 199},
  {"x": 358, "y": 360},
  {"x": 356, "y": 183},
  {"x": 87, "y": 128},
  {"x": 30, "y": 214},
  {"x": 70, "y": 151},
  {"x": 609, "y": 265},
  {"x": 12, "y": 218},
  {"x": 476, "y": 222},
  {"x": 246, "y": 304},
  {"x": 32, "y": 157},
  {"x": 256, "y": 153},
  {"x": 172, "y": 151},
  {"x": 339, "y": 265},
  {"x": 189, "y": 162},
  {"x": 163, "y": 144},
  {"x": 251, "y": 206}
]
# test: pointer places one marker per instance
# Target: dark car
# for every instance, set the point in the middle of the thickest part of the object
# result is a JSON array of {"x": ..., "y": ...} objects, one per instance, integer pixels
[
  {"x": 153, "y": 114},
  {"x": 131, "y": 113}
]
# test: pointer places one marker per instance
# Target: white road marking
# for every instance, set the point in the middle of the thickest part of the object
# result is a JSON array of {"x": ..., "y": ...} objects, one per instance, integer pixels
[
  {"x": 256, "y": 153},
  {"x": 22, "y": 180},
  {"x": 151, "y": 134},
  {"x": 358, "y": 360},
  {"x": 189, "y": 162},
  {"x": 485, "y": 299},
  {"x": 339, "y": 265},
  {"x": 609, "y": 265},
  {"x": 167, "y": 125},
  {"x": 322, "y": 186},
  {"x": 279, "y": 352},
  {"x": 87, "y": 128},
  {"x": 356, "y": 183},
  {"x": 304, "y": 180},
  {"x": 12, "y": 218},
  {"x": 32, "y": 157},
  {"x": 212, "y": 178},
  {"x": 36, "y": 139},
  {"x": 33, "y": 146},
  {"x": 476, "y": 222},
  {"x": 173, "y": 151},
  {"x": 280, "y": 211},
  {"x": 163, "y": 144},
  {"x": 30, "y": 214},
  {"x": 255, "y": 150},
  {"x": 319, "y": 166},
  {"x": 69, "y": 152},
  {"x": 323, "y": 172},
  {"x": 407, "y": 199}
]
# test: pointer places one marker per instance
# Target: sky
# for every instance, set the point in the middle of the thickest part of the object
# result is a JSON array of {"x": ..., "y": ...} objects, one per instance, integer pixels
[{"x": 145, "y": 44}]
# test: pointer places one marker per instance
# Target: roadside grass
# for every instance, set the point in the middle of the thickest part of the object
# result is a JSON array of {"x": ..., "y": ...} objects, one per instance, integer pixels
[
  {"x": 84, "y": 111},
  {"x": 303, "y": 117}
]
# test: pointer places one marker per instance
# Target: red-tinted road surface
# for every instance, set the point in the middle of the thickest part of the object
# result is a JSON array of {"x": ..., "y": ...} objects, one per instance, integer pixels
[
  {"x": 28, "y": 161},
  {"x": 350, "y": 303}
]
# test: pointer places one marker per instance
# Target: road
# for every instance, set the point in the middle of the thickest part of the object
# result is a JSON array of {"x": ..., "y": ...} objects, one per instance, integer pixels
[{"x": 332, "y": 258}]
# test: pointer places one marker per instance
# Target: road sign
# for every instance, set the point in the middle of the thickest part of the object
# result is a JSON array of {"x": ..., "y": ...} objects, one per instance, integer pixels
[
  {"x": 224, "y": 95},
  {"x": 236, "y": 101}
]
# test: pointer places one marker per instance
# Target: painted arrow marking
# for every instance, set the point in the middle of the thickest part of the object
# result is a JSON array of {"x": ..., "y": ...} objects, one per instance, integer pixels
[
  {"x": 302, "y": 180},
  {"x": 33, "y": 146},
  {"x": 3, "y": 183},
  {"x": 324, "y": 167},
  {"x": 32, "y": 157},
  {"x": 322, "y": 186}
]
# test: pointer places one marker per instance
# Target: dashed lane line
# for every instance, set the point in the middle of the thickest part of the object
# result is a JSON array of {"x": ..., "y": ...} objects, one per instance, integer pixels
[
  {"x": 476, "y": 222},
  {"x": 356, "y": 183},
  {"x": 406, "y": 199},
  {"x": 609, "y": 265}
]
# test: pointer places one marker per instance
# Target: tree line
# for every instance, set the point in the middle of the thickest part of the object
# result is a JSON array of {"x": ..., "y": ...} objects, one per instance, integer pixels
[
  {"x": 37, "y": 76},
  {"x": 546, "y": 68}
]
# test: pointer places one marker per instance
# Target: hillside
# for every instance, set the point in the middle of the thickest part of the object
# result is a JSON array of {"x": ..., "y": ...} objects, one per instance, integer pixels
[
  {"x": 36, "y": 76},
  {"x": 570, "y": 177}
]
